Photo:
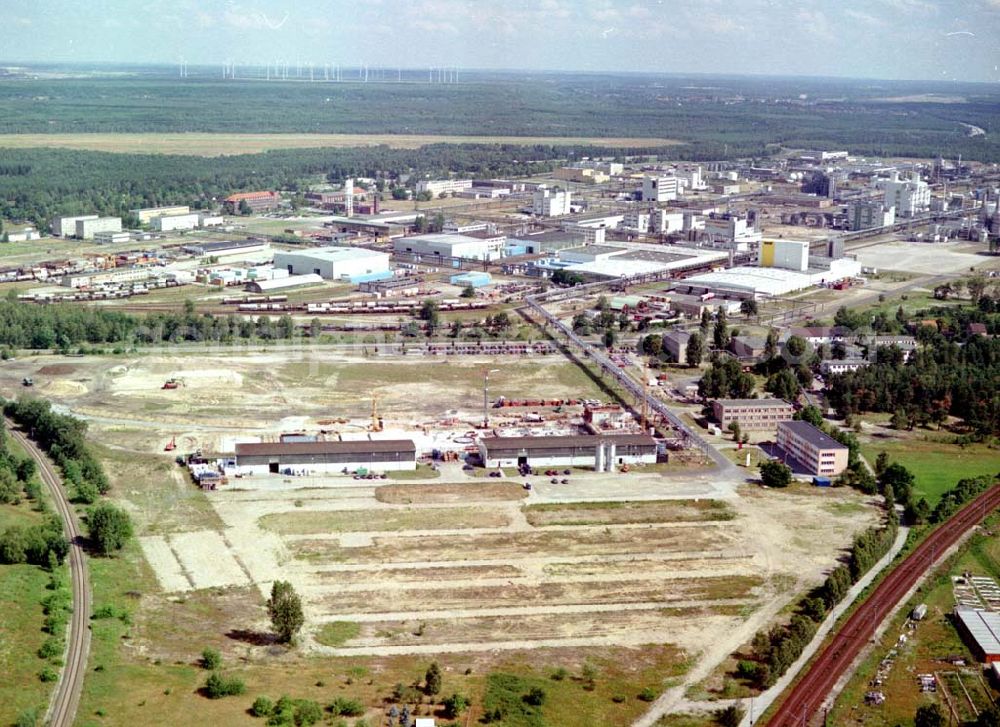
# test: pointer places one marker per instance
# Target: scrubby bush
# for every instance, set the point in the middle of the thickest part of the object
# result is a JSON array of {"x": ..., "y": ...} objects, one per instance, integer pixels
[
  {"x": 262, "y": 707},
  {"x": 217, "y": 686},
  {"x": 211, "y": 659},
  {"x": 346, "y": 707}
]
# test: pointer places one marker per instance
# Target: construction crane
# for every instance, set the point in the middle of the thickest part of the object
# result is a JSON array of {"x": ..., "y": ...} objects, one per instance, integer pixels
[{"x": 376, "y": 425}]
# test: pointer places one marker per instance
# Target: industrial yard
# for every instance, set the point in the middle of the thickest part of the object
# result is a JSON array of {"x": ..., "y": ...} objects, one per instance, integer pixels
[{"x": 446, "y": 561}]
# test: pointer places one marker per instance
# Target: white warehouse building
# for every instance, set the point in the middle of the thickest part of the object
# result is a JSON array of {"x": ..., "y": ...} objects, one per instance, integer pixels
[
  {"x": 87, "y": 228},
  {"x": 170, "y": 223},
  {"x": 66, "y": 226},
  {"x": 333, "y": 263},
  {"x": 486, "y": 247}
]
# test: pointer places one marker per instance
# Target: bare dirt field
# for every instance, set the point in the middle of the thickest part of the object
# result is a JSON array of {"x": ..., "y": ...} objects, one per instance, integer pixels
[
  {"x": 926, "y": 258},
  {"x": 458, "y": 568},
  {"x": 210, "y": 145}
]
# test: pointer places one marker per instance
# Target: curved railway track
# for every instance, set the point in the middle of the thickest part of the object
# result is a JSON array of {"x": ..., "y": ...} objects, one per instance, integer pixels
[
  {"x": 806, "y": 697},
  {"x": 66, "y": 697}
]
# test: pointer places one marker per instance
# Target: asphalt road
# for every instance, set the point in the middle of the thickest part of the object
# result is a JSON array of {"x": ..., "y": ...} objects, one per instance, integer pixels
[{"x": 66, "y": 698}]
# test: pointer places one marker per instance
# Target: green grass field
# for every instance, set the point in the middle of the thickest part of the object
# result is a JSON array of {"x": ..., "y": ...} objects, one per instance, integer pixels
[
  {"x": 937, "y": 466},
  {"x": 22, "y": 588}
]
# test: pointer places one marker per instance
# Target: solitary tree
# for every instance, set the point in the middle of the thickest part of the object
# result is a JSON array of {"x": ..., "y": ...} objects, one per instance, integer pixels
[
  {"x": 285, "y": 609},
  {"x": 432, "y": 679},
  {"x": 110, "y": 528},
  {"x": 245, "y": 208},
  {"x": 734, "y": 427},
  {"x": 775, "y": 474},
  {"x": 749, "y": 307}
]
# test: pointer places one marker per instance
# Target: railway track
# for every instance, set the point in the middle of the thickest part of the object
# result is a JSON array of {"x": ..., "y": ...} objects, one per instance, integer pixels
[
  {"x": 806, "y": 696},
  {"x": 66, "y": 697}
]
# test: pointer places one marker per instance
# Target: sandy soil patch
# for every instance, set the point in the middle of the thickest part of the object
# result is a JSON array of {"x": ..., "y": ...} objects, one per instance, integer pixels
[
  {"x": 208, "y": 559},
  {"x": 333, "y": 521},
  {"x": 611, "y": 513},
  {"x": 518, "y": 545},
  {"x": 62, "y": 387},
  {"x": 625, "y": 625},
  {"x": 169, "y": 571},
  {"x": 406, "y": 494},
  {"x": 544, "y": 594},
  {"x": 416, "y": 575}
]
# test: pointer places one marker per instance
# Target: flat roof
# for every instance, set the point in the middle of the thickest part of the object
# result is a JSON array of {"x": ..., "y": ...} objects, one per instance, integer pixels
[
  {"x": 805, "y": 430},
  {"x": 983, "y": 626},
  {"x": 598, "y": 249},
  {"x": 226, "y": 245},
  {"x": 448, "y": 238},
  {"x": 291, "y": 281},
  {"x": 275, "y": 449},
  {"x": 334, "y": 253},
  {"x": 768, "y": 403},
  {"x": 570, "y": 441}
]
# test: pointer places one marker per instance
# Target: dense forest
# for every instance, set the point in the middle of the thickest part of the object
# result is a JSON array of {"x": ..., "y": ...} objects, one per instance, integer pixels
[
  {"x": 714, "y": 116},
  {"x": 36, "y": 184}
]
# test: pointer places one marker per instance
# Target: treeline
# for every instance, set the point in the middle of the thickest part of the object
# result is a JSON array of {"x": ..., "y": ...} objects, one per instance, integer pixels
[
  {"x": 963, "y": 492},
  {"x": 25, "y": 325},
  {"x": 62, "y": 436},
  {"x": 774, "y": 650},
  {"x": 42, "y": 544}
]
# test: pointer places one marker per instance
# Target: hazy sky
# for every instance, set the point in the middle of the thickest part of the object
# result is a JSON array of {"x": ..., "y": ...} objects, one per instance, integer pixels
[{"x": 925, "y": 39}]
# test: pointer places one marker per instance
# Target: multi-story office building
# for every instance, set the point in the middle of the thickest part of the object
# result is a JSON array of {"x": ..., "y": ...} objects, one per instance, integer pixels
[
  {"x": 752, "y": 414},
  {"x": 437, "y": 187},
  {"x": 814, "y": 450}
]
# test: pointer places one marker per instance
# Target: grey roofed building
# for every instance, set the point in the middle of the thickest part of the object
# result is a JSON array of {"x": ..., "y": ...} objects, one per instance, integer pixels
[
  {"x": 982, "y": 629},
  {"x": 306, "y": 453},
  {"x": 675, "y": 344},
  {"x": 809, "y": 433}
]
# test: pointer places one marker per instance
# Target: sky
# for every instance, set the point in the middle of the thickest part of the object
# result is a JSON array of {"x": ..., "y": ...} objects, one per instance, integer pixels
[{"x": 889, "y": 39}]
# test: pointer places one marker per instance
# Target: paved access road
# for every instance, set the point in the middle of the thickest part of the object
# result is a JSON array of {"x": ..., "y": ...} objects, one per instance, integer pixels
[
  {"x": 66, "y": 698},
  {"x": 834, "y": 661}
]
